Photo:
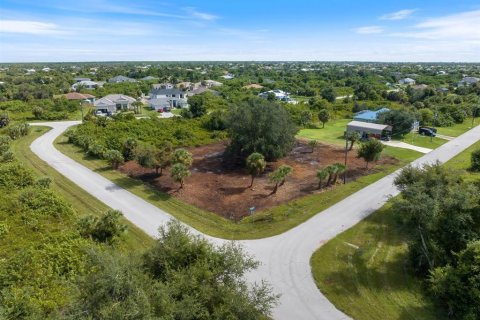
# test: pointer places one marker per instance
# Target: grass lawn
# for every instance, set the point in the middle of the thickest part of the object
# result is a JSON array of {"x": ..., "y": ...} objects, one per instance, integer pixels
[
  {"x": 364, "y": 272},
  {"x": 458, "y": 129},
  {"x": 332, "y": 133},
  {"x": 373, "y": 281},
  {"x": 263, "y": 224},
  {"x": 81, "y": 201},
  {"x": 418, "y": 140}
]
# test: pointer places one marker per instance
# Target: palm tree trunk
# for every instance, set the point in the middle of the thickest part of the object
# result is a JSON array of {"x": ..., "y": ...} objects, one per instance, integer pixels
[
  {"x": 351, "y": 146},
  {"x": 251, "y": 182},
  {"x": 319, "y": 184},
  {"x": 275, "y": 189}
]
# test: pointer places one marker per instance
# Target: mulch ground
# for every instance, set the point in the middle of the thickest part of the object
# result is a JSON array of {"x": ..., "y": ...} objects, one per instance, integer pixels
[{"x": 224, "y": 189}]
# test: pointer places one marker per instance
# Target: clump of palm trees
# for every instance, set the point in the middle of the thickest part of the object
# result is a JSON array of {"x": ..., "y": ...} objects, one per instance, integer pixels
[{"x": 330, "y": 174}]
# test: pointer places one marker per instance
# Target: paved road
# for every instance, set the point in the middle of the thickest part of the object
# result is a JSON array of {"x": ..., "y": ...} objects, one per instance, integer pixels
[{"x": 285, "y": 258}]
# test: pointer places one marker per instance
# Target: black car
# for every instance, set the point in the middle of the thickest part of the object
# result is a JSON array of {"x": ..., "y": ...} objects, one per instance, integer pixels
[{"x": 427, "y": 132}]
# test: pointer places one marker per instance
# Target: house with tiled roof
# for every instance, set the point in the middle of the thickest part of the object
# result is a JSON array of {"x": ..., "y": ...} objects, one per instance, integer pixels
[
  {"x": 79, "y": 96},
  {"x": 114, "y": 103}
]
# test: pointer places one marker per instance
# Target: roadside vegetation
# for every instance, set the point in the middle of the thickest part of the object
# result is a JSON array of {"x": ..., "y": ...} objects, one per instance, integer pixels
[
  {"x": 411, "y": 259},
  {"x": 55, "y": 263}
]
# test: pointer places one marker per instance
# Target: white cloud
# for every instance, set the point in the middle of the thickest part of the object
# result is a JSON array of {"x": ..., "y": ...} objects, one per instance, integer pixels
[
  {"x": 398, "y": 15},
  {"x": 200, "y": 15},
  {"x": 28, "y": 27},
  {"x": 464, "y": 26},
  {"x": 369, "y": 30}
]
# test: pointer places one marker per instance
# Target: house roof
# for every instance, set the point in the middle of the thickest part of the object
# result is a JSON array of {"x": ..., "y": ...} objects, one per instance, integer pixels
[
  {"x": 114, "y": 99},
  {"x": 121, "y": 79},
  {"x": 163, "y": 91},
  {"x": 78, "y": 96},
  {"x": 369, "y": 115},
  {"x": 148, "y": 78},
  {"x": 159, "y": 102},
  {"x": 253, "y": 86},
  {"x": 85, "y": 83},
  {"x": 369, "y": 126}
]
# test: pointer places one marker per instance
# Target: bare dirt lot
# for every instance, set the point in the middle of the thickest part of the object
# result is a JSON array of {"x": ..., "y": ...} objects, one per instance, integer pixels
[{"x": 214, "y": 187}]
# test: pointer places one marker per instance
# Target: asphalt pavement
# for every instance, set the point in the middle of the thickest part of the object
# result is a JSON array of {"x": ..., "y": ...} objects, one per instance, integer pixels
[{"x": 285, "y": 259}]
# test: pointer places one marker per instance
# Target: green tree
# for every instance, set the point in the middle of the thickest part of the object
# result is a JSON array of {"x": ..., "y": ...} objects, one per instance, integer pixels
[
  {"x": 279, "y": 176},
  {"x": 255, "y": 164},
  {"x": 115, "y": 158},
  {"x": 370, "y": 151},
  {"x": 265, "y": 127},
  {"x": 323, "y": 116},
  {"x": 458, "y": 286},
  {"x": 322, "y": 175},
  {"x": 332, "y": 173},
  {"x": 305, "y": 118},
  {"x": 179, "y": 172},
  {"x": 340, "y": 169},
  {"x": 475, "y": 166},
  {"x": 400, "y": 120},
  {"x": 328, "y": 94},
  {"x": 129, "y": 148},
  {"x": 352, "y": 137},
  {"x": 38, "y": 112},
  {"x": 182, "y": 156},
  {"x": 105, "y": 229},
  {"x": 313, "y": 144},
  {"x": 425, "y": 116},
  {"x": 197, "y": 105}
]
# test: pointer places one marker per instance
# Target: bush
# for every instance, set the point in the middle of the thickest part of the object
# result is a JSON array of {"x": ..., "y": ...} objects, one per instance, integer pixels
[
  {"x": 18, "y": 130},
  {"x": 475, "y": 160},
  {"x": 105, "y": 229},
  {"x": 15, "y": 176}
]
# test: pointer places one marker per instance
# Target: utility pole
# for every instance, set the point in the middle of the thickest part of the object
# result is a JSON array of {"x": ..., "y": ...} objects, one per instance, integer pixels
[{"x": 346, "y": 153}]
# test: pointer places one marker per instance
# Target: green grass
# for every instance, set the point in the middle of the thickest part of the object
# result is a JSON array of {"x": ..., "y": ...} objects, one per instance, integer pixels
[
  {"x": 263, "y": 224},
  {"x": 418, "y": 140},
  {"x": 81, "y": 201},
  {"x": 458, "y": 129},
  {"x": 332, "y": 133},
  {"x": 364, "y": 272},
  {"x": 373, "y": 281}
]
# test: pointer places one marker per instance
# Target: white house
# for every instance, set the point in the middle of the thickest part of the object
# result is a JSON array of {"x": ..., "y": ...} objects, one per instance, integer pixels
[
  {"x": 468, "y": 81},
  {"x": 120, "y": 79},
  {"x": 228, "y": 76},
  {"x": 407, "y": 81},
  {"x": 87, "y": 84},
  {"x": 163, "y": 97},
  {"x": 279, "y": 95},
  {"x": 113, "y": 103}
]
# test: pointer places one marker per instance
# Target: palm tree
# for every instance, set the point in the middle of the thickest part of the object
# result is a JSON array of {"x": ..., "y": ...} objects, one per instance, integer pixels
[
  {"x": 278, "y": 176},
  {"x": 312, "y": 144},
  {"x": 353, "y": 137},
  {"x": 321, "y": 175},
  {"x": 341, "y": 168},
  {"x": 179, "y": 173},
  {"x": 255, "y": 165},
  {"x": 332, "y": 171}
]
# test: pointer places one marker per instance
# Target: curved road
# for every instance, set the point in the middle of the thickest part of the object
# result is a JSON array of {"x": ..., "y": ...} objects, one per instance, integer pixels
[{"x": 284, "y": 258}]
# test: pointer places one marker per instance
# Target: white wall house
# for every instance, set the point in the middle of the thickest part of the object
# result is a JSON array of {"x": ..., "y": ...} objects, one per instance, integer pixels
[
  {"x": 114, "y": 103},
  {"x": 160, "y": 97},
  {"x": 468, "y": 81},
  {"x": 87, "y": 84},
  {"x": 406, "y": 81}
]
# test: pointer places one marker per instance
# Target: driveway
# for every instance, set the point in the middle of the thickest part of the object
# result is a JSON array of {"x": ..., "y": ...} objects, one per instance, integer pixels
[
  {"x": 285, "y": 259},
  {"x": 404, "y": 145}
]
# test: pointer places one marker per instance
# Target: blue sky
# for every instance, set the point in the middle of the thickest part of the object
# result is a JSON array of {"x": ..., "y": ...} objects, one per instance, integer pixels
[{"x": 333, "y": 30}]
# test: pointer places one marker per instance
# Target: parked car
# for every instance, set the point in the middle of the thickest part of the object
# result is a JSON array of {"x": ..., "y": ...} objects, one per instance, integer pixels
[
  {"x": 385, "y": 138},
  {"x": 430, "y": 128},
  {"x": 426, "y": 132},
  {"x": 99, "y": 113}
]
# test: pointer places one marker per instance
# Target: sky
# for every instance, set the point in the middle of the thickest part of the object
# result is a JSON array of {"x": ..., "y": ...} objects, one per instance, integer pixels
[{"x": 239, "y": 30}]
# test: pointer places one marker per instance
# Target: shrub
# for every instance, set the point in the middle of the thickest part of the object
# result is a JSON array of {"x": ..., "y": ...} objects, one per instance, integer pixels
[
  {"x": 14, "y": 175},
  {"x": 475, "y": 160}
]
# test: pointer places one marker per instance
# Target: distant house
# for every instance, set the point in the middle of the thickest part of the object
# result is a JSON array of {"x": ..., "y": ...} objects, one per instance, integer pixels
[
  {"x": 407, "y": 81},
  {"x": 80, "y": 96},
  {"x": 165, "y": 85},
  {"x": 212, "y": 83},
  {"x": 253, "y": 86},
  {"x": 228, "y": 76},
  {"x": 46, "y": 69},
  {"x": 113, "y": 103},
  {"x": 468, "y": 81},
  {"x": 81, "y": 79},
  {"x": 149, "y": 78},
  {"x": 163, "y": 97},
  {"x": 120, "y": 79},
  {"x": 367, "y": 130},
  {"x": 279, "y": 95},
  {"x": 86, "y": 84},
  {"x": 369, "y": 116}
]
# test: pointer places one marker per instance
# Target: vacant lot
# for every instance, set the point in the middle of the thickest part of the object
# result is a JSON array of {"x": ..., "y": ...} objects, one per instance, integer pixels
[{"x": 217, "y": 187}]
